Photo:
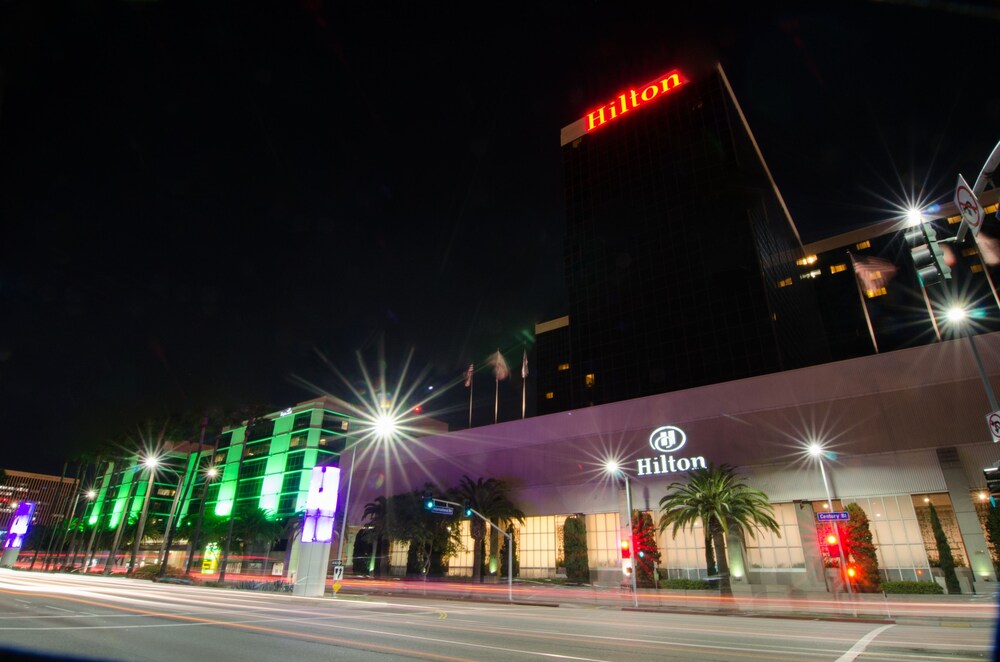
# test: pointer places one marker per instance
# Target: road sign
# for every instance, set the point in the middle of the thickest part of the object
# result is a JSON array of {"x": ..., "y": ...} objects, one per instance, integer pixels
[
  {"x": 968, "y": 206},
  {"x": 993, "y": 423},
  {"x": 442, "y": 509},
  {"x": 338, "y": 573},
  {"x": 835, "y": 516}
]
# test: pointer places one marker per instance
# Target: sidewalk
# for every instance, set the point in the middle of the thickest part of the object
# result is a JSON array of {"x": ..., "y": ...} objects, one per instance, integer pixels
[{"x": 945, "y": 610}]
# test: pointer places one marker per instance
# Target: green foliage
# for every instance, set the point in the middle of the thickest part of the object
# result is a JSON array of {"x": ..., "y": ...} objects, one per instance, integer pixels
[
  {"x": 646, "y": 553},
  {"x": 716, "y": 497},
  {"x": 514, "y": 561},
  {"x": 490, "y": 497},
  {"x": 686, "y": 584},
  {"x": 993, "y": 535},
  {"x": 153, "y": 569},
  {"x": 922, "y": 588},
  {"x": 860, "y": 549},
  {"x": 947, "y": 561},
  {"x": 575, "y": 549},
  {"x": 254, "y": 527}
]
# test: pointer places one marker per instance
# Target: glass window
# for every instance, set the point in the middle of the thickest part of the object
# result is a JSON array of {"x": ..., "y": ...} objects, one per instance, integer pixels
[
  {"x": 302, "y": 420},
  {"x": 261, "y": 429}
]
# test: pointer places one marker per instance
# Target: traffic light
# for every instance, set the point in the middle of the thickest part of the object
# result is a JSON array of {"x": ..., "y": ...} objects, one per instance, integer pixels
[
  {"x": 927, "y": 255},
  {"x": 992, "y": 476},
  {"x": 468, "y": 508},
  {"x": 851, "y": 572},
  {"x": 428, "y": 501},
  {"x": 833, "y": 546},
  {"x": 626, "y": 550}
]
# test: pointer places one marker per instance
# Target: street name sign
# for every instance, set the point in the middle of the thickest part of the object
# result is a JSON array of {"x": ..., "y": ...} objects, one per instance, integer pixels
[
  {"x": 835, "y": 516},
  {"x": 442, "y": 509}
]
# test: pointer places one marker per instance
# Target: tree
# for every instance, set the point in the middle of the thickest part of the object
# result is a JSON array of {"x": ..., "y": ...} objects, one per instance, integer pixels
[
  {"x": 646, "y": 554},
  {"x": 253, "y": 527},
  {"x": 376, "y": 517},
  {"x": 946, "y": 560},
  {"x": 575, "y": 549},
  {"x": 489, "y": 498},
  {"x": 859, "y": 547},
  {"x": 993, "y": 534},
  {"x": 511, "y": 553},
  {"x": 716, "y": 497}
]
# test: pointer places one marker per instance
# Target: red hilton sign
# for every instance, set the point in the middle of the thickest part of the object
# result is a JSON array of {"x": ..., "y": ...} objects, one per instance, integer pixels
[{"x": 633, "y": 98}]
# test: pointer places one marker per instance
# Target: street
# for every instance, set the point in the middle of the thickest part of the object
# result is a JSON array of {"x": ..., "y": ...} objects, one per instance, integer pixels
[{"x": 107, "y": 618}]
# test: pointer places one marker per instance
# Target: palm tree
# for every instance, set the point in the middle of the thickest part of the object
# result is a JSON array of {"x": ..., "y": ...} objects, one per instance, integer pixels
[
  {"x": 488, "y": 497},
  {"x": 254, "y": 526},
  {"x": 723, "y": 503},
  {"x": 376, "y": 516}
]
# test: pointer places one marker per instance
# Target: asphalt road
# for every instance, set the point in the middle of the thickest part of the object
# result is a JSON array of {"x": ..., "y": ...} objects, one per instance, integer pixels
[{"x": 104, "y": 618}]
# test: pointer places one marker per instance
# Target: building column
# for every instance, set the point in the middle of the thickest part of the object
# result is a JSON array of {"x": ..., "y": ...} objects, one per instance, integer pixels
[{"x": 960, "y": 493}]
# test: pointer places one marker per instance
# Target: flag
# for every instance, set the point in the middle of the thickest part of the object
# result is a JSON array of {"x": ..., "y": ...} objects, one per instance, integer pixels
[
  {"x": 874, "y": 273},
  {"x": 468, "y": 375},
  {"x": 500, "y": 369},
  {"x": 524, "y": 365}
]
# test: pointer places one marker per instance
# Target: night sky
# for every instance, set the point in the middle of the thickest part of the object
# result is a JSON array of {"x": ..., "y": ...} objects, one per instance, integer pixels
[{"x": 199, "y": 198}]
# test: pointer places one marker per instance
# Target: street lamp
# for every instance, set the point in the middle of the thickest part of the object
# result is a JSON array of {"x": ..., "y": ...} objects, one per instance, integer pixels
[
  {"x": 383, "y": 428},
  {"x": 210, "y": 475},
  {"x": 614, "y": 470},
  {"x": 958, "y": 316},
  {"x": 818, "y": 453},
  {"x": 150, "y": 463}
]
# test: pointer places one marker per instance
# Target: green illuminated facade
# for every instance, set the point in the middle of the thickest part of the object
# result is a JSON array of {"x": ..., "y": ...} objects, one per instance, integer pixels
[{"x": 264, "y": 465}]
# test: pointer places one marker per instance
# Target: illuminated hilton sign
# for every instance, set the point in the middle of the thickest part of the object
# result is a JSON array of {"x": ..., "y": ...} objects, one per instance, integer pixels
[
  {"x": 626, "y": 101},
  {"x": 667, "y": 440}
]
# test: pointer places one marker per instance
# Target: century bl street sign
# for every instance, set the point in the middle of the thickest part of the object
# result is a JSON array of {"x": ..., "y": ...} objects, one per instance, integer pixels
[{"x": 835, "y": 516}]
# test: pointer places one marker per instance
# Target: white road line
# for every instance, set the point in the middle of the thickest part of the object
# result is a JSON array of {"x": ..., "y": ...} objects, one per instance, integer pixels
[{"x": 862, "y": 643}]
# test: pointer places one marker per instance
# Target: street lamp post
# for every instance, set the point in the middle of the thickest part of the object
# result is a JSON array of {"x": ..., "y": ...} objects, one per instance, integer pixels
[
  {"x": 615, "y": 470},
  {"x": 817, "y": 452},
  {"x": 192, "y": 544},
  {"x": 957, "y": 316},
  {"x": 150, "y": 463}
]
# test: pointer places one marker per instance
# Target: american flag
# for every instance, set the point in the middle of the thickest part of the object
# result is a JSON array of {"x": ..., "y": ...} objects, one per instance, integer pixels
[
  {"x": 500, "y": 369},
  {"x": 874, "y": 273},
  {"x": 468, "y": 375},
  {"x": 524, "y": 365}
]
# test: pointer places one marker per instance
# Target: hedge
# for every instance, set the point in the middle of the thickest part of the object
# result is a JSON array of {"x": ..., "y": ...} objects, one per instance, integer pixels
[
  {"x": 686, "y": 584},
  {"x": 924, "y": 588}
]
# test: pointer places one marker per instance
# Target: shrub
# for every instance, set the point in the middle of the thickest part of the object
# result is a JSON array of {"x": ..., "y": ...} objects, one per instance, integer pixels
[
  {"x": 922, "y": 588},
  {"x": 575, "y": 547},
  {"x": 686, "y": 584},
  {"x": 152, "y": 570}
]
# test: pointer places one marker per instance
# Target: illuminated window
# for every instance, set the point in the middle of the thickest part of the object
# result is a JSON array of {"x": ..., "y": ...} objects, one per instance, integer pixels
[
  {"x": 550, "y": 395},
  {"x": 588, "y": 380},
  {"x": 863, "y": 244},
  {"x": 785, "y": 283},
  {"x": 990, "y": 209},
  {"x": 806, "y": 261},
  {"x": 976, "y": 268},
  {"x": 954, "y": 219},
  {"x": 563, "y": 366},
  {"x": 877, "y": 292},
  {"x": 837, "y": 268},
  {"x": 811, "y": 274},
  {"x": 970, "y": 251}
]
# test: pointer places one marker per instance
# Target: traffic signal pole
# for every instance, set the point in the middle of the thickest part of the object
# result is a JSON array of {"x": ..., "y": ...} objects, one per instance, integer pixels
[{"x": 510, "y": 541}]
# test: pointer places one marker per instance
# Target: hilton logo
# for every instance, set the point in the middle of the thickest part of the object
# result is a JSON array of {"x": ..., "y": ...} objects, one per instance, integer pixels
[
  {"x": 626, "y": 101},
  {"x": 667, "y": 439}
]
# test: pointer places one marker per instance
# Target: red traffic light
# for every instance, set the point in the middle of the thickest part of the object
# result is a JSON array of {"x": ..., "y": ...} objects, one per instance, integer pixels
[
  {"x": 850, "y": 571},
  {"x": 831, "y": 539},
  {"x": 626, "y": 550}
]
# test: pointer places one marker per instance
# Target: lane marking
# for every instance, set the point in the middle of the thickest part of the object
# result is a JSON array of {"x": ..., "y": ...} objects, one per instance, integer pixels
[{"x": 862, "y": 643}]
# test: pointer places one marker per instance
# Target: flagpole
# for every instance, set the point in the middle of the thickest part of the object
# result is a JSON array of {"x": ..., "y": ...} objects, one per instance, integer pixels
[
  {"x": 524, "y": 379},
  {"x": 470, "y": 401},
  {"x": 496, "y": 395},
  {"x": 864, "y": 304}
]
